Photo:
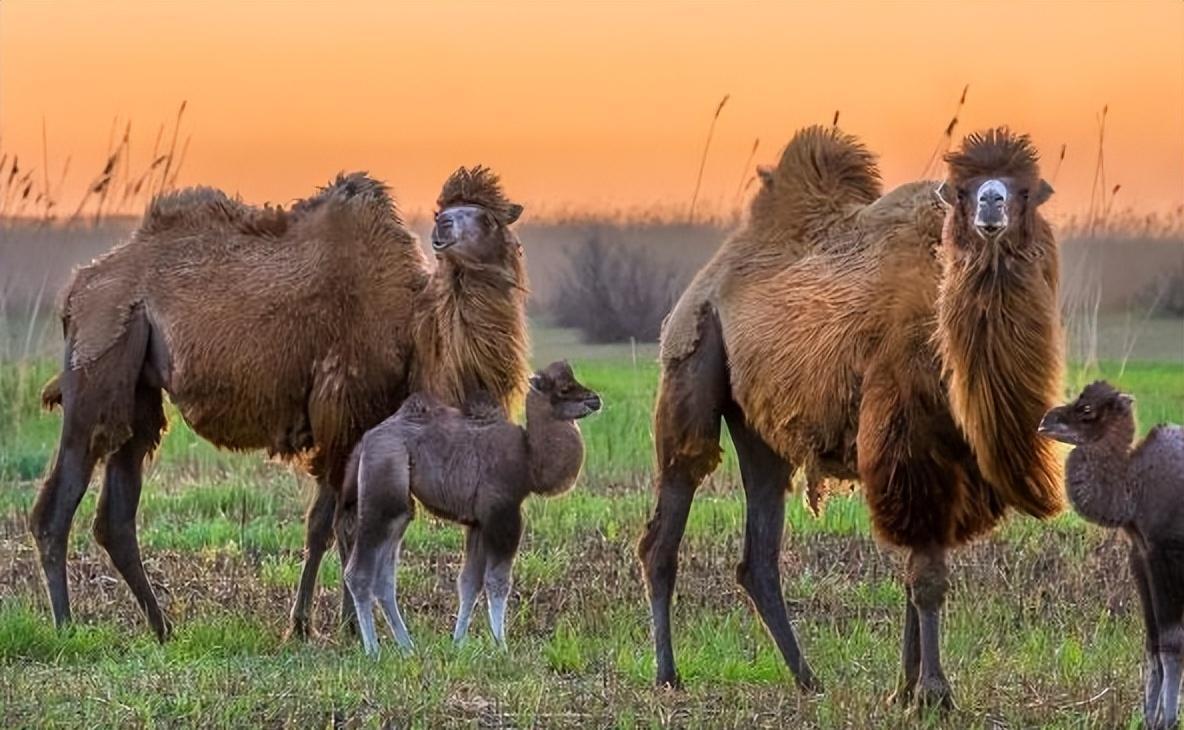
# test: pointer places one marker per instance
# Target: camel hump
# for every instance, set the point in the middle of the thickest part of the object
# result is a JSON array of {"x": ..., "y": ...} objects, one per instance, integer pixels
[
  {"x": 196, "y": 208},
  {"x": 419, "y": 406},
  {"x": 356, "y": 192},
  {"x": 482, "y": 406},
  {"x": 821, "y": 174}
]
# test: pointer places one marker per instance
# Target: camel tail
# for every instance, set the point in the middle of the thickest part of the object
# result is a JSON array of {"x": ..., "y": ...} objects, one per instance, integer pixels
[
  {"x": 822, "y": 173},
  {"x": 51, "y": 393}
]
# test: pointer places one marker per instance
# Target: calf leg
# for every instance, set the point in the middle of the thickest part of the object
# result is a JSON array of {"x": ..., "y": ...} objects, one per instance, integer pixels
[
  {"x": 343, "y": 538},
  {"x": 388, "y": 577},
  {"x": 318, "y": 535},
  {"x": 1152, "y": 668},
  {"x": 501, "y": 534},
  {"x": 1165, "y": 569},
  {"x": 928, "y": 581},
  {"x": 766, "y": 479},
  {"x": 367, "y": 558},
  {"x": 470, "y": 582},
  {"x": 115, "y": 520}
]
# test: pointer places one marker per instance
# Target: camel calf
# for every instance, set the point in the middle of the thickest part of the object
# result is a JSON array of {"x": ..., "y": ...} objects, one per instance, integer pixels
[
  {"x": 1139, "y": 490},
  {"x": 471, "y": 466}
]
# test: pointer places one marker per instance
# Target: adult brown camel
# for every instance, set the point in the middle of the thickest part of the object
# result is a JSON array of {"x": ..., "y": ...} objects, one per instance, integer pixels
[
  {"x": 909, "y": 340},
  {"x": 290, "y": 330}
]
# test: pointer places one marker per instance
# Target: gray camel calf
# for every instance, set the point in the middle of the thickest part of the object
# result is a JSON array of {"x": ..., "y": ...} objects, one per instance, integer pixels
[{"x": 472, "y": 466}]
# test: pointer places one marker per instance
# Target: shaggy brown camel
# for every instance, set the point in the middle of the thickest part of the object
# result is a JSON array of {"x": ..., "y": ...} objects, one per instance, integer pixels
[
  {"x": 473, "y": 467},
  {"x": 904, "y": 340},
  {"x": 1140, "y": 491},
  {"x": 287, "y": 330}
]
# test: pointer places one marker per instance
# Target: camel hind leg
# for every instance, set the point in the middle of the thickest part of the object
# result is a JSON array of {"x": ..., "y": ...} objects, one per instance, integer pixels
[
  {"x": 766, "y": 479},
  {"x": 691, "y": 399},
  {"x": 388, "y": 578},
  {"x": 115, "y": 520},
  {"x": 98, "y": 407}
]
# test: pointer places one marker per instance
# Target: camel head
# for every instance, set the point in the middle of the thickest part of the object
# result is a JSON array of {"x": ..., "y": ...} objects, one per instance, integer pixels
[
  {"x": 993, "y": 189},
  {"x": 568, "y": 397},
  {"x": 1097, "y": 411},
  {"x": 473, "y": 221}
]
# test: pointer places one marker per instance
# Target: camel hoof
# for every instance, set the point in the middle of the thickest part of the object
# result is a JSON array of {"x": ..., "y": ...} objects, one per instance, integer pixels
[
  {"x": 299, "y": 630},
  {"x": 669, "y": 682},
  {"x": 163, "y": 630},
  {"x": 809, "y": 684},
  {"x": 902, "y": 696},
  {"x": 935, "y": 694}
]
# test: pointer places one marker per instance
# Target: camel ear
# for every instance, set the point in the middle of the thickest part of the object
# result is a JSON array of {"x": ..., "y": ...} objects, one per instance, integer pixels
[
  {"x": 1126, "y": 399},
  {"x": 946, "y": 194},
  {"x": 513, "y": 212},
  {"x": 766, "y": 176},
  {"x": 540, "y": 383},
  {"x": 1043, "y": 192}
]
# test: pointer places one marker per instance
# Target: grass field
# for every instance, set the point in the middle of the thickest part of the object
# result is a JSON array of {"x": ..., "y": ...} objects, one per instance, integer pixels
[{"x": 1042, "y": 627}]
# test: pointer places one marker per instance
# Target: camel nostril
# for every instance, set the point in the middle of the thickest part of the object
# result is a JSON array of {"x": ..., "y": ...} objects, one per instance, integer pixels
[{"x": 593, "y": 403}]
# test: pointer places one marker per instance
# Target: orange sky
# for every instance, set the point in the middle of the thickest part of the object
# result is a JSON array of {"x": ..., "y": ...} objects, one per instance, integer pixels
[{"x": 586, "y": 105}]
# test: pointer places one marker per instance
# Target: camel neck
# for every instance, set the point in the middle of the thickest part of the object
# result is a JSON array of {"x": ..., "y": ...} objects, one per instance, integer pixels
[
  {"x": 473, "y": 328},
  {"x": 1098, "y": 479},
  {"x": 555, "y": 448},
  {"x": 999, "y": 337}
]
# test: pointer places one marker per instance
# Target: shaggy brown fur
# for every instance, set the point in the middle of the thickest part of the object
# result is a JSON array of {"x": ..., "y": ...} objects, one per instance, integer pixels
[
  {"x": 1141, "y": 492},
  {"x": 469, "y": 322},
  {"x": 998, "y": 331},
  {"x": 860, "y": 342},
  {"x": 291, "y": 331},
  {"x": 472, "y": 467}
]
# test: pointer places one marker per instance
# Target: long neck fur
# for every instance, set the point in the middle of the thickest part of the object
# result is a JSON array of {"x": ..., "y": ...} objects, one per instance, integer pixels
[
  {"x": 555, "y": 448},
  {"x": 1098, "y": 481},
  {"x": 471, "y": 333},
  {"x": 999, "y": 337}
]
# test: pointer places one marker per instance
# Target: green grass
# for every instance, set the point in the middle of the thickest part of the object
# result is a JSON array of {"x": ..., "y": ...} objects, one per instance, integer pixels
[{"x": 1042, "y": 627}]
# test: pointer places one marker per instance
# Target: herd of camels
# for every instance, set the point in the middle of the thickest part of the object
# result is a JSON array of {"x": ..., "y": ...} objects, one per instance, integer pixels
[{"x": 907, "y": 339}]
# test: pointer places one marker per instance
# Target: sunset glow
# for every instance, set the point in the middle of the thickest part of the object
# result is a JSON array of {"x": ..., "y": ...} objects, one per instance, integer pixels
[{"x": 589, "y": 107}]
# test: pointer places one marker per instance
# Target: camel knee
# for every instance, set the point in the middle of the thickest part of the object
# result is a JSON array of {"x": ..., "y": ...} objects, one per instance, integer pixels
[
  {"x": 1171, "y": 640},
  {"x": 360, "y": 581},
  {"x": 928, "y": 578},
  {"x": 659, "y": 558}
]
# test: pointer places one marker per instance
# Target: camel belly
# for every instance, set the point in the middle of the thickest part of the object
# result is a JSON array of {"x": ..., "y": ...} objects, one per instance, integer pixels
[
  {"x": 233, "y": 417},
  {"x": 796, "y": 350}
]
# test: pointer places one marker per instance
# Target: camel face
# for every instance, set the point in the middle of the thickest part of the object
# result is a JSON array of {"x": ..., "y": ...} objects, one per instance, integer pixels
[
  {"x": 1087, "y": 419},
  {"x": 570, "y": 400},
  {"x": 472, "y": 233},
  {"x": 994, "y": 207}
]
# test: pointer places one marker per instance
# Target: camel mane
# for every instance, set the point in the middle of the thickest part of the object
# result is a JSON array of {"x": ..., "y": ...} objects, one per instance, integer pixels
[
  {"x": 997, "y": 152},
  {"x": 476, "y": 186}
]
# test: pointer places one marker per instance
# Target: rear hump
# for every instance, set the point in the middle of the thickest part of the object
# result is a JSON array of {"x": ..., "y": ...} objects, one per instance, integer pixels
[{"x": 822, "y": 174}]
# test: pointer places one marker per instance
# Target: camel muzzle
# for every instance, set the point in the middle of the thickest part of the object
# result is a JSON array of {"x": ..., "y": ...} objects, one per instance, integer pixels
[
  {"x": 990, "y": 217},
  {"x": 1051, "y": 426}
]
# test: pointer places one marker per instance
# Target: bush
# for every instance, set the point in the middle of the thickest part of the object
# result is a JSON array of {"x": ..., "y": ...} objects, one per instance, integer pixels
[
  {"x": 611, "y": 292},
  {"x": 1164, "y": 297}
]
